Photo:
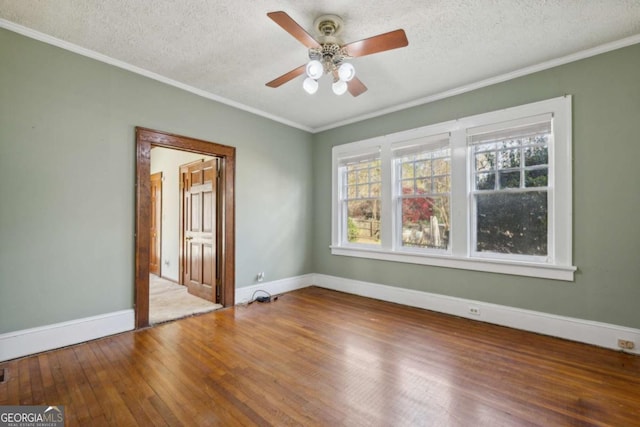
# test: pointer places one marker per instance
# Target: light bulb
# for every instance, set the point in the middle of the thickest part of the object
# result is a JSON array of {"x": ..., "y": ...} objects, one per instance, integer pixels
[
  {"x": 315, "y": 69},
  {"x": 310, "y": 85},
  {"x": 346, "y": 72},
  {"x": 339, "y": 87}
]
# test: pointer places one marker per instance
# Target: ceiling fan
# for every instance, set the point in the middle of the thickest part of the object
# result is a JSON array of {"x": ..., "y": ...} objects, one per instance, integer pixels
[{"x": 327, "y": 53}]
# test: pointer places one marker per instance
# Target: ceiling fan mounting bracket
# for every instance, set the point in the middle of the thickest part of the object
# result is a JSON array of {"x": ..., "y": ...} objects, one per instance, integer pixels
[{"x": 328, "y": 25}]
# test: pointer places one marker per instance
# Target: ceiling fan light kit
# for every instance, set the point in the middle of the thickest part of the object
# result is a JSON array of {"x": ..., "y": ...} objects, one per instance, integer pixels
[
  {"x": 327, "y": 53},
  {"x": 310, "y": 85},
  {"x": 339, "y": 87},
  {"x": 315, "y": 69},
  {"x": 342, "y": 74},
  {"x": 346, "y": 72}
]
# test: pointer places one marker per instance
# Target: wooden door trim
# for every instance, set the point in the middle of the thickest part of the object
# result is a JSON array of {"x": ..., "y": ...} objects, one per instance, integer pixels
[
  {"x": 158, "y": 220},
  {"x": 145, "y": 139}
]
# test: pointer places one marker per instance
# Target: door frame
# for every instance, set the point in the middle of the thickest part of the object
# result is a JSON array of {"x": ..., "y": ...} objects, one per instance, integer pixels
[
  {"x": 157, "y": 219},
  {"x": 145, "y": 139}
]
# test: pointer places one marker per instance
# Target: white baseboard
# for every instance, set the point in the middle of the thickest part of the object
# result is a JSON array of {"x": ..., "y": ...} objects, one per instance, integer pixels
[
  {"x": 36, "y": 340},
  {"x": 275, "y": 287},
  {"x": 49, "y": 337},
  {"x": 585, "y": 331}
]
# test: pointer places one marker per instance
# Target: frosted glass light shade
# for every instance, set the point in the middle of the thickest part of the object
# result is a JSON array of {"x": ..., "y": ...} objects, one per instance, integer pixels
[
  {"x": 339, "y": 87},
  {"x": 315, "y": 69},
  {"x": 346, "y": 72},
  {"x": 310, "y": 85}
]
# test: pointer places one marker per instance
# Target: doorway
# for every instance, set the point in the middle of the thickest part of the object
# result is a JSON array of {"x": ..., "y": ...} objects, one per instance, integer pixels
[{"x": 225, "y": 265}]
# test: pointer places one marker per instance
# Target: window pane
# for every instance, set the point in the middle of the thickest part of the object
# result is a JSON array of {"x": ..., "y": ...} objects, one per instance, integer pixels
[
  {"x": 512, "y": 223},
  {"x": 508, "y": 143},
  {"x": 375, "y": 174},
  {"x": 407, "y": 170},
  {"x": 509, "y": 159},
  {"x": 363, "y": 176},
  {"x": 351, "y": 192},
  {"x": 407, "y": 187},
  {"x": 486, "y": 181},
  {"x": 510, "y": 179},
  {"x": 425, "y": 222},
  {"x": 536, "y": 178},
  {"x": 485, "y": 162},
  {"x": 352, "y": 178},
  {"x": 423, "y": 186},
  {"x": 534, "y": 156},
  {"x": 441, "y": 167},
  {"x": 423, "y": 169},
  {"x": 363, "y": 221},
  {"x": 441, "y": 184}
]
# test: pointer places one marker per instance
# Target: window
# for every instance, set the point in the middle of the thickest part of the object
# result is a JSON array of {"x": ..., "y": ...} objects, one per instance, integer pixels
[
  {"x": 423, "y": 186},
  {"x": 360, "y": 199},
  {"x": 490, "y": 192},
  {"x": 510, "y": 170}
]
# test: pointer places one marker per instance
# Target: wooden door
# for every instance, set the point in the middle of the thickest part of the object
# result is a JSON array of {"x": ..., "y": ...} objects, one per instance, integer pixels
[
  {"x": 199, "y": 182},
  {"x": 156, "y": 224}
]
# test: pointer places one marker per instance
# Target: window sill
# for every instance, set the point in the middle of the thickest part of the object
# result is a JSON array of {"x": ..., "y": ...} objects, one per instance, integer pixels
[{"x": 544, "y": 271}]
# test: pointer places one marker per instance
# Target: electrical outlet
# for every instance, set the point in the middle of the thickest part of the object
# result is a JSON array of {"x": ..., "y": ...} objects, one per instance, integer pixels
[
  {"x": 474, "y": 310},
  {"x": 626, "y": 344},
  {"x": 260, "y": 276}
]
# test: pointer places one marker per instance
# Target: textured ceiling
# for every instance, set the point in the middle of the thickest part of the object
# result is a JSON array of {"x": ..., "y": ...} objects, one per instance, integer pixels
[{"x": 229, "y": 49}]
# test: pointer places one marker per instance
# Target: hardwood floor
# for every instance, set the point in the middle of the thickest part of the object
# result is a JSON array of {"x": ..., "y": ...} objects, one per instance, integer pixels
[{"x": 319, "y": 357}]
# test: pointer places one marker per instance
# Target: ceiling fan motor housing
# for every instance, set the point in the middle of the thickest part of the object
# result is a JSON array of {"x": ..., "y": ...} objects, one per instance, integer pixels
[{"x": 330, "y": 55}]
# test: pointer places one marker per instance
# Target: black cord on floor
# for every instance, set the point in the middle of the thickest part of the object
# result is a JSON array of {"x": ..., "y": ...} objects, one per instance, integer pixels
[{"x": 267, "y": 298}]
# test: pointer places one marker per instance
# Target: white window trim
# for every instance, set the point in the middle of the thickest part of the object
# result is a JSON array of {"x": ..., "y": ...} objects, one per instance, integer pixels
[{"x": 461, "y": 256}]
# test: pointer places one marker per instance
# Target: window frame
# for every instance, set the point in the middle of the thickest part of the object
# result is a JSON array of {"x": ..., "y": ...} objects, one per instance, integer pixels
[{"x": 558, "y": 263}]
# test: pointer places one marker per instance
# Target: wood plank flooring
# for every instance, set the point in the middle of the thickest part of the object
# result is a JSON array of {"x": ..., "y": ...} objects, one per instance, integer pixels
[{"x": 319, "y": 357}]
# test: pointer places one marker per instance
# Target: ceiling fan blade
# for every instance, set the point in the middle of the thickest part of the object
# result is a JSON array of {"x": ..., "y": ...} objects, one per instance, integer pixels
[
  {"x": 292, "y": 27},
  {"x": 287, "y": 76},
  {"x": 356, "y": 87},
  {"x": 379, "y": 43}
]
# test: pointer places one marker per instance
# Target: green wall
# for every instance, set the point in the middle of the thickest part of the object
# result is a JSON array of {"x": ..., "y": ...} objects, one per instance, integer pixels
[
  {"x": 67, "y": 164},
  {"x": 606, "y": 199}
]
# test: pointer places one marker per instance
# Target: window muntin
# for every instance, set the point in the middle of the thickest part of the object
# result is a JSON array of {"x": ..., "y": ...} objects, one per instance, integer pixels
[
  {"x": 510, "y": 170},
  {"x": 361, "y": 203},
  {"x": 423, "y": 188}
]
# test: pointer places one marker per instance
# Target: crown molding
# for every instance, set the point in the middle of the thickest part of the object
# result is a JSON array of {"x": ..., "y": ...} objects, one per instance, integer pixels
[
  {"x": 607, "y": 47},
  {"x": 36, "y": 35}
]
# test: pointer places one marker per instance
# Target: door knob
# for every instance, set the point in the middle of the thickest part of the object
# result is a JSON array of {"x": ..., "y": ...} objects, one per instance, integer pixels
[{"x": 188, "y": 238}]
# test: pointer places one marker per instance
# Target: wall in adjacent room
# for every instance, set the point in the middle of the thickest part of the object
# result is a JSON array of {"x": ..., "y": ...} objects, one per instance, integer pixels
[
  {"x": 606, "y": 200},
  {"x": 67, "y": 182}
]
